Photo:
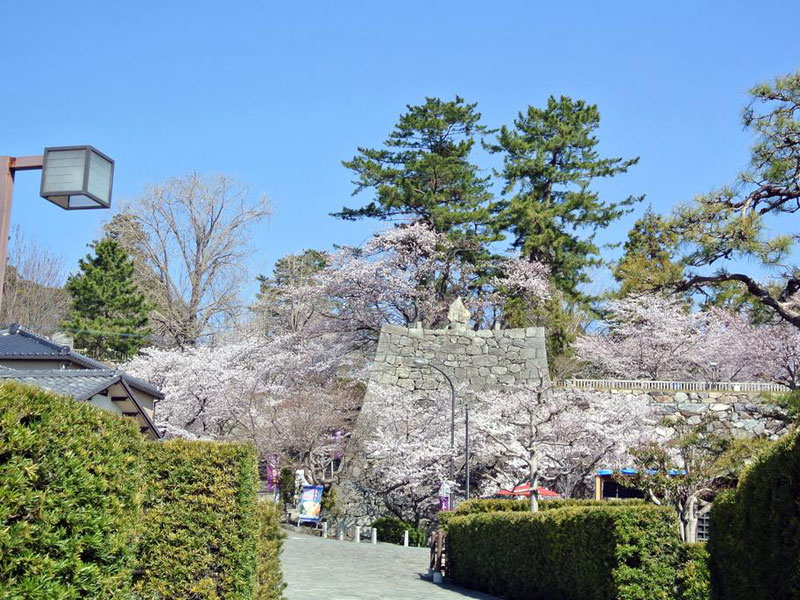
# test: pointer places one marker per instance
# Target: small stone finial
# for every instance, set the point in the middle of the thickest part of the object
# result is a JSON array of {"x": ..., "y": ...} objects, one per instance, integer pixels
[{"x": 458, "y": 315}]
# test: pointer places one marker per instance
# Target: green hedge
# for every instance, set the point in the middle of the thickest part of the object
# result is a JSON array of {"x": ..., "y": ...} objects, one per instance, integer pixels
[
  {"x": 594, "y": 553},
  {"x": 694, "y": 579},
  {"x": 201, "y": 522},
  {"x": 391, "y": 530},
  {"x": 755, "y": 530},
  {"x": 269, "y": 580},
  {"x": 507, "y": 505},
  {"x": 69, "y": 497}
]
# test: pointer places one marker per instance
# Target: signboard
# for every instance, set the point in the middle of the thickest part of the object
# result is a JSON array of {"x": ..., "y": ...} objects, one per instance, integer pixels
[{"x": 310, "y": 504}]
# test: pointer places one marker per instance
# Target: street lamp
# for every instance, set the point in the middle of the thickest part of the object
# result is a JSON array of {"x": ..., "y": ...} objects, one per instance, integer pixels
[
  {"x": 424, "y": 362},
  {"x": 73, "y": 177}
]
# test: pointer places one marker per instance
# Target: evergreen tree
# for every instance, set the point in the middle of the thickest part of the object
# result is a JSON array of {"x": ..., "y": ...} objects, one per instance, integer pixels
[
  {"x": 549, "y": 164},
  {"x": 108, "y": 315},
  {"x": 649, "y": 261},
  {"x": 424, "y": 173}
]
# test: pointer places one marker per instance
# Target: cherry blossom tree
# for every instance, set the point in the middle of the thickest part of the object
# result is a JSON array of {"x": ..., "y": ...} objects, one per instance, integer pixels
[
  {"x": 560, "y": 436},
  {"x": 537, "y": 434},
  {"x": 412, "y": 274},
  {"x": 659, "y": 337}
]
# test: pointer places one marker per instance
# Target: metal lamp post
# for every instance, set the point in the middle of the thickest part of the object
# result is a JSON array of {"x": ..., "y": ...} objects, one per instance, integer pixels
[
  {"x": 424, "y": 362},
  {"x": 73, "y": 177}
]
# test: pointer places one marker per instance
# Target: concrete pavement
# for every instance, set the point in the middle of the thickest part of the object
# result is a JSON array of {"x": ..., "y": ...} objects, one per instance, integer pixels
[{"x": 326, "y": 569}]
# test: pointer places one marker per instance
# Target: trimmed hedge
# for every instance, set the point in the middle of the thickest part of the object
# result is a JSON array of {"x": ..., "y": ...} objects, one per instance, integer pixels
[
  {"x": 69, "y": 497},
  {"x": 694, "y": 578},
  {"x": 200, "y": 538},
  {"x": 507, "y": 505},
  {"x": 594, "y": 553},
  {"x": 269, "y": 580},
  {"x": 391, "y": 530},
  {"x": 755, "y": 530}
]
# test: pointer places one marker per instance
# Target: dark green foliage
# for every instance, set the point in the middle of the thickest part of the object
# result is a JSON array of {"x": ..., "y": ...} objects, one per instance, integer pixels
[
  {"x": 269, "y": 580},
  {"x": 108, "y": 316},
  {"x": 503, "y": 505},
  {"x": 755, "y": 530},
  {"x": 424, "y": 172},
  {"x": 201, "y": 534},
  {"x": 391, "y": 530},
  {"x": 594, "y": 553},
  {"x": 694, "y": 578},
  {"x": 287, "y": 486},
  {"x": 650, "y": 259},
  {"x": 69, "y": 497},
  {"x": 549, "y": 163}
]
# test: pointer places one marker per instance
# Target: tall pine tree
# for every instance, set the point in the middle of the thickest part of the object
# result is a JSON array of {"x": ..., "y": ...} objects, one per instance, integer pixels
[
  {"x": 108, "y": 315},
  {"x": 550, "y": 161},
  {"x": 424, "y": 172}
]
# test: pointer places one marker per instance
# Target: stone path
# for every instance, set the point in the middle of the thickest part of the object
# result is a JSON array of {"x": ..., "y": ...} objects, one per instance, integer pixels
[{"x": 317, "y": 569}]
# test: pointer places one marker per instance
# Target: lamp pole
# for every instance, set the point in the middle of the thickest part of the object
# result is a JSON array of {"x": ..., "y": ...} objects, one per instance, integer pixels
[
  {"x": 73, "y": 178},
  {"x": 423, "y": 362},
  {"x": 9, "y": 165}
]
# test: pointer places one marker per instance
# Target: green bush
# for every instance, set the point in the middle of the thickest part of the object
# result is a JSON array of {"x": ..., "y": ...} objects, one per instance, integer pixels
[
  {"x": 391, "y": 530},
  {"x": 269, "y": 580},
  {"x": 201, "y": 532},
  {"x": 508, "y": 505},
  {"x": 755, "y": 530},
  {"x": 69, "y": 497},
  {"x": 592, "y": 553},
  {"x": 694, "y": 578}
]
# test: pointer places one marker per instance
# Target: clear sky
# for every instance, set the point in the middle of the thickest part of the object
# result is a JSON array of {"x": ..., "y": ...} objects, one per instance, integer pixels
[{"x": 278, "y": 93}]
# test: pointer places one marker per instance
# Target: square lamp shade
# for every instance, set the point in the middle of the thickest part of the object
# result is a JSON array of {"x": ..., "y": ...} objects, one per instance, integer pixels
[{"x": 77, "y": 177}]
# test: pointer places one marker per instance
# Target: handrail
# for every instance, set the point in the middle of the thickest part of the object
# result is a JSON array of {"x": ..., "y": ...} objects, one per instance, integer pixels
[{"x": 672, "y": 386}]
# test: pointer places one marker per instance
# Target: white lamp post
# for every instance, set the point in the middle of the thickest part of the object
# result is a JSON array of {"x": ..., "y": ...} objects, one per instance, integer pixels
[{"x": 73, "y": 177}]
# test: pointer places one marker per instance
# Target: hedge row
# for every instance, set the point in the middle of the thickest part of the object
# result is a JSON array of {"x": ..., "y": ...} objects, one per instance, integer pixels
[
  {"x": 755, "y": 529},
  {"x": 508, "y": 505},
  {"x": 201, "y": 516},
  {"x": 69, "y": 497},
  {"x": 88, "y": 509},
  {"x": 593, "y": 553}
]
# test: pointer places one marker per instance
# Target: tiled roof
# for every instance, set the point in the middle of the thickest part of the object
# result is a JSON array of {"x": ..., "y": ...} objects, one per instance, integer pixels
[
  {"x": 81, "y": 384},
  {"x": 18, "y": 343}
]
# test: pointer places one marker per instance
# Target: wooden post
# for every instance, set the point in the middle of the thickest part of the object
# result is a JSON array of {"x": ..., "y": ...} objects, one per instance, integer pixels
[{"x": 598, "y": 488}]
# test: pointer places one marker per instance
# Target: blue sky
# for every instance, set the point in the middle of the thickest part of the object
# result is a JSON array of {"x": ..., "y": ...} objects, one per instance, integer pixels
[{"x": 277, "y": 94}]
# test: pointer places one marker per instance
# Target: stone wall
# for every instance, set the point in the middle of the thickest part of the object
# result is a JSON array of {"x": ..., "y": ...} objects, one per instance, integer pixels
[
  {"x": 477, "y": 359},
  {"x": 745, "y": 414}
]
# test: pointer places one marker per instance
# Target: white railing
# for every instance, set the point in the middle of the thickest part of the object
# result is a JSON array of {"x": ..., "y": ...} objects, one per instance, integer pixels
[{"x": 672, "y": 386}]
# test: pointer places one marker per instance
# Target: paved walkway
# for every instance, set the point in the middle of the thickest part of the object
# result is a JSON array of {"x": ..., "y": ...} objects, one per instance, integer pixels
[{"x": 317, "y": 569}]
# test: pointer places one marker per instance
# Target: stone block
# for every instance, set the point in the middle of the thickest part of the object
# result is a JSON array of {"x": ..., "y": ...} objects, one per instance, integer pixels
[
  {"x": 681, "y": 397},
  {"x": 499, "y": 370},
  {"x": 718, "y": 407},
  {"x": 515, "y": 333}
]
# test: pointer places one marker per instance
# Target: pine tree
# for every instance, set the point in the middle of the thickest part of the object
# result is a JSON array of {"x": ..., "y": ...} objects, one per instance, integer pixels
[
  {"x": 424, "y": 174},
  {"x": 108, "y": 314},
  {"x": 649, "y": 261},
  {"x": 549, "y": 164}
]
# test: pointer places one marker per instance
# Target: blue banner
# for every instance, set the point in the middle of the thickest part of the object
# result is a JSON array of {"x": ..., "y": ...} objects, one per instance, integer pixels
[{"x": 310, "y": 504}]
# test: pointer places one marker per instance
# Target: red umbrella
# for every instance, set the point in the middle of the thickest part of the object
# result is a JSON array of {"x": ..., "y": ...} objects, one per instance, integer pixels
[{"x": 524, "y": 489}]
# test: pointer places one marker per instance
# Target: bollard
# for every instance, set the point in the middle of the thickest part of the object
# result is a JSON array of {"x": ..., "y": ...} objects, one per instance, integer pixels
[
  {"x": 374, "y": 535},
  {"x": 358, "y": 534},
  {"x": 405, "y": 538},
  {"x": 324, "y": 530},
  {"x": 341, "y": 533}
]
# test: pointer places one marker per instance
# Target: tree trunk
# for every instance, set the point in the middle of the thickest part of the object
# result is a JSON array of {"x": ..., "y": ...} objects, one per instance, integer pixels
[
  {"x": 688, "y": 518},
  {"x": 533, "y": 479}
]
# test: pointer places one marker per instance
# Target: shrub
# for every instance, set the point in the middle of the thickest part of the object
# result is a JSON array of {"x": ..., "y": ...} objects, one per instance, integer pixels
[
  {"x": 200, "y": 538},
  {"x": 269, "y": 580},
  {"x": 287, "y": 486},
  {"x": 694, "y": 579},
  {"x": 593, "y": 553},
  {"x": 69, "y": 497},
  {"x": 508, "y": 505},
  {"x": 391, "y": 530},
  {"x": 755, "y": 530}
]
